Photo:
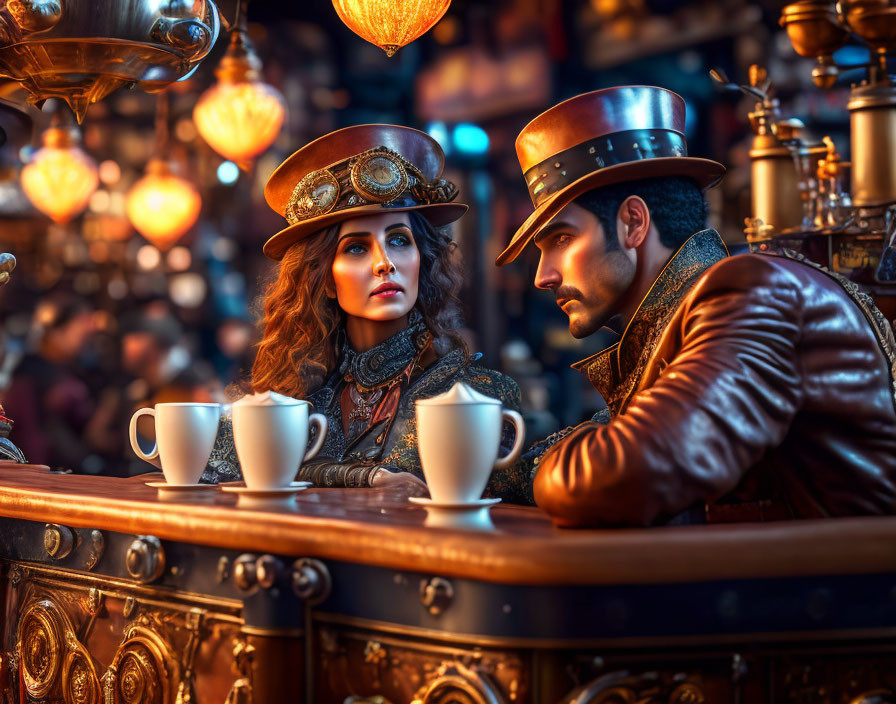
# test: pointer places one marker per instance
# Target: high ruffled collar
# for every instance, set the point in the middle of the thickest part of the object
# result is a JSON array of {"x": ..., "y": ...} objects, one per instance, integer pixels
[
  {"x": 381, "y": 364},
  {"x": 615, "y": 370}
]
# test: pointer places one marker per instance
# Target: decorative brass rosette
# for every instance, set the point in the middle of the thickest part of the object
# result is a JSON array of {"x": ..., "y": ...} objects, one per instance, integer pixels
[
  {"x": 375, "y": 177},
  {"x": 144, "y": 669},
  {"x": 454, "y": 683},
  {"x": 314, "y": 195},
  {"x": 40, "y": 644},
  {"x": 80, "y": 682},
  {"x": 379, "y": 176}
]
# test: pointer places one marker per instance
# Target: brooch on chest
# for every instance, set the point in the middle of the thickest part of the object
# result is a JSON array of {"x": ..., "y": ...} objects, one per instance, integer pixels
[{"x": 363, "y": 402}]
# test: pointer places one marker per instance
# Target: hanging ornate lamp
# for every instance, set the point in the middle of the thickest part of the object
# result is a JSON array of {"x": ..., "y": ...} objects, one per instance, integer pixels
[
  {"x": 162, "y": 206},
  {"x": 390, "y": 24},
  {"x": 60, "y": 177},
  {"x": 82, "y": 50},
  {"x": 240, "y": 116}
]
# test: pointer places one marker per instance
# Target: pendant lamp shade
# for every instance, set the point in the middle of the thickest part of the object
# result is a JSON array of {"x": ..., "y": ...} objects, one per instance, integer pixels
[
  {"x": 61, "y": 177},
  {"x": 390, "y": 24},
  {"x": 162, "y": 206},
  {"x": 240, "y": 116}
]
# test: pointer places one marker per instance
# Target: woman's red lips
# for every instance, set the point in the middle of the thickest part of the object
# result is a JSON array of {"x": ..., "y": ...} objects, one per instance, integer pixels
[{"x": 386, "y": 290}]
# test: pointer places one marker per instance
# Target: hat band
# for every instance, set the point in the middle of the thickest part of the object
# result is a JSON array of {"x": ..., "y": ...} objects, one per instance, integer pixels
[
  {"x": 378, "y": 176},
  {"x": 565, "y": 167}
]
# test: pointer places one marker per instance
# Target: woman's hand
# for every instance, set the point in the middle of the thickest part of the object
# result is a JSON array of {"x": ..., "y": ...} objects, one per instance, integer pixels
[{"x": 405, "y": 482}]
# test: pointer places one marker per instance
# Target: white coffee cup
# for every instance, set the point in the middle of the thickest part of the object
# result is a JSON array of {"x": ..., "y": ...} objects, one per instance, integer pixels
[
  {"x": 270, "y": 432},
  {"x": 185, "y": 436},
  {"x": 459, "y": 436}
]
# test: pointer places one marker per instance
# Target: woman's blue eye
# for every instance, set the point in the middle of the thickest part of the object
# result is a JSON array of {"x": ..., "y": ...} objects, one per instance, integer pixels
[
  {"x": 355, "y": 248},
  {"x": 399, "y": 240}
]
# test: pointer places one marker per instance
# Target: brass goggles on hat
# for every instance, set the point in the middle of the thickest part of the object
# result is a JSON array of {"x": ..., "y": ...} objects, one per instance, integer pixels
[{"x": 378, "y": 176}]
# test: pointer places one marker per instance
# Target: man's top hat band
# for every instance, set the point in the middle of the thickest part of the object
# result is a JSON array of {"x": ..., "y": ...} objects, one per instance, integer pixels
[
  {"x": 377, "y": 176},
  {"x": 560, "y": 170}
]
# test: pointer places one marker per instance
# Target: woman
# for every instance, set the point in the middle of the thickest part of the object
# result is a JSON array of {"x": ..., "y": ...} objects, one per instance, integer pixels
[{"x": 361, "y": 317}]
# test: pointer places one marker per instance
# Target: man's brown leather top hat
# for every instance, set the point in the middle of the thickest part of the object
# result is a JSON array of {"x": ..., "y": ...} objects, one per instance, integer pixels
[
  {"x": 598, "y": 139},
  {"x": 361, "y": 170}
]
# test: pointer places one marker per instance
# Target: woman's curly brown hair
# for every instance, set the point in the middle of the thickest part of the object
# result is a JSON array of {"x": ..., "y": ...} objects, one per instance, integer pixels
[{"x": 302, "y": 326}]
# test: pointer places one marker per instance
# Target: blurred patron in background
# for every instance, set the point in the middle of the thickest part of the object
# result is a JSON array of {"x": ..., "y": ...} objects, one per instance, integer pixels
[
  {"x": 162, "y": 369},
  {"x": 58, "y": 420},
  {"x": 159, "y": 367},
  {"x": 235, "y": 350}
]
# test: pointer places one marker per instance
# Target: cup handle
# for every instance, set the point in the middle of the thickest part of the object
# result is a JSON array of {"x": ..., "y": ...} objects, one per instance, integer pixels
[
  {"x": 517, "y": 420},
  {"x": 132, "y": 431},
  {"x": 320, "y": 421}
]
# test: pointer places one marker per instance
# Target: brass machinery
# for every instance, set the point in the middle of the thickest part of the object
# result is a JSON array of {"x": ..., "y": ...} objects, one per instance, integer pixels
[
  {"x": 82, "y": 50},
  {"x": 805, "y": 197}
]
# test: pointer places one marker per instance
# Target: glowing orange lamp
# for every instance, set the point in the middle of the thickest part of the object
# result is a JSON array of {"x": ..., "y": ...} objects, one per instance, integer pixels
[
  {"x": 390, "y": 24},
  {"x": 240, "y": 116},
  {"x": 61, "y": 177},
  {"x": 162, "y": 206}
]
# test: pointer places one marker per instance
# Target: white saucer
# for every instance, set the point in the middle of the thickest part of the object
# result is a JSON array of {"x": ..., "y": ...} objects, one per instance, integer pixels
[
  {"x": 241, "y": 489},
  {"x": 165, "y": 486},
  {"x": 474, "y": 515},
  {"x": 280, "y": 499},
  {"x": 452, "y": 506}
]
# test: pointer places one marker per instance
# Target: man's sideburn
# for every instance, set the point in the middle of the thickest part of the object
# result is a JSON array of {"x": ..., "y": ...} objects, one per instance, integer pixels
[{"x": 612, "y": 273}]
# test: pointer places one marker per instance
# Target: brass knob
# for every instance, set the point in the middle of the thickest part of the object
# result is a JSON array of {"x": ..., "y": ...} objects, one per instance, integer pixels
[
  {"x": 245, "y": 572},
  {"x": 58, "y": 540},
  {"x": 266, "y": 570},
  {"x": 436, "y": 594},
  {"x": 311, "y": 580},
  {"x": 145, "y": 559},
  {"x": 97, "y": 548},
  {"x": 37, "y": 16},
  {"x": 223, "y": 569}
]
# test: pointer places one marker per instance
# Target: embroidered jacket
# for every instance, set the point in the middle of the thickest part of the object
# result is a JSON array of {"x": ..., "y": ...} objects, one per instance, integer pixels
[
  {"x": 388, "y": 438},
  {"x": 740, "y": 380}
]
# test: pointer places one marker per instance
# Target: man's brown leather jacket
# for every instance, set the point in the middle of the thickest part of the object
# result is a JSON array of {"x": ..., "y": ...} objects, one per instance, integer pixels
[{"x": 739, "y": 378}]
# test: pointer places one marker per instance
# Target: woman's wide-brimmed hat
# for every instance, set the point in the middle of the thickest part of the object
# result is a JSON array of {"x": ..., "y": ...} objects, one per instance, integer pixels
[
  {"x": 598, "y": 139},
  {"x": 356, "y": 171}
]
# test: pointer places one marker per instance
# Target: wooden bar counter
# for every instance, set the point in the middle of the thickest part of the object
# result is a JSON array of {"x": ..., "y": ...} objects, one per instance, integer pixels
[{"x": 111, "y": 593}]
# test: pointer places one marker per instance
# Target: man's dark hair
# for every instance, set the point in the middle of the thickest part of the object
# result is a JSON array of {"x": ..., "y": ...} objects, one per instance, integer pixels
[{"x": 676, "y": 204}]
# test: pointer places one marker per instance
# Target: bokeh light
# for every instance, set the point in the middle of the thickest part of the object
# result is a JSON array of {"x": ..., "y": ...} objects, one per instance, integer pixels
[
  {"x": 148, "y": 257},
  {"x": 179, "y": 259},
  {"x": 470, "y": 139},
  {"x": 228, "y": 173},
  {"x": 187, "y": 290}
]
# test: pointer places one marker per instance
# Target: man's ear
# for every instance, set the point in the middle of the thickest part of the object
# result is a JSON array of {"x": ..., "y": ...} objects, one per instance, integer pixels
[{"x": 635, "y": 220}]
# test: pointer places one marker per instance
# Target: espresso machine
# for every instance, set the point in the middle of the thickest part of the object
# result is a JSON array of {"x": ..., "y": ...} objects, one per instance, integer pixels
[{"x": 805, "y": 196}]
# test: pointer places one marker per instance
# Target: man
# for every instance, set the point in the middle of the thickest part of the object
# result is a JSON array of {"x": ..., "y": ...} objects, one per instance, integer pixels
[
  {"x": 742, "y": 388},
  {"x": 162, "y": 368},
  {"x": 58, "y": 421}
]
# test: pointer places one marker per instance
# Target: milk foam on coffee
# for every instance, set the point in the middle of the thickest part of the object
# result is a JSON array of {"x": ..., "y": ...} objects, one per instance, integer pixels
[
  {"x": 459, "y": 439},
  {"x": 266, "y": 398},
  {"x": 270, "y": 432},
  {"x": 458, "y": 394}
]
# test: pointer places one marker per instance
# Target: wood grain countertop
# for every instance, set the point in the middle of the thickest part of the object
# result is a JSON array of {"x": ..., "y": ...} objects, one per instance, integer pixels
[{"x": 371, "y": 526}]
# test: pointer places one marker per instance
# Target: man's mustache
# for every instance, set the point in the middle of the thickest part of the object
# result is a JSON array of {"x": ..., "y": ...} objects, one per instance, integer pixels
[{"x": 567, "y": 293}]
